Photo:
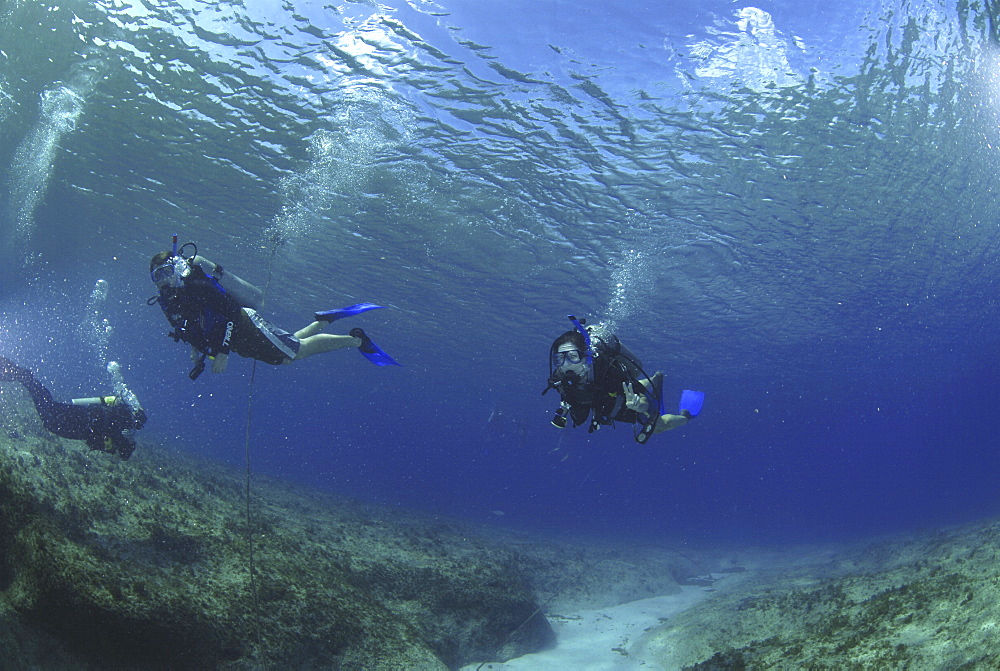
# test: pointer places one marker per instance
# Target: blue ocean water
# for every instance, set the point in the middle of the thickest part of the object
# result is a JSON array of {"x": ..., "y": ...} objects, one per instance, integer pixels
[{"x": 787, "y": 205}]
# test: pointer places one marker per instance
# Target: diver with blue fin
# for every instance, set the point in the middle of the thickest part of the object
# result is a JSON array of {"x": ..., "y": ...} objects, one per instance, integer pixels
[
  {"x": 216, "y": 313},
  {"x": 597, "y": 377}
]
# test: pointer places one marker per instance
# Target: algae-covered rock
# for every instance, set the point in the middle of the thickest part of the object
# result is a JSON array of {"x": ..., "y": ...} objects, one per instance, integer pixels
[
  {"x": 147, "y": 564},
  {"x": 926, "y": 602}
]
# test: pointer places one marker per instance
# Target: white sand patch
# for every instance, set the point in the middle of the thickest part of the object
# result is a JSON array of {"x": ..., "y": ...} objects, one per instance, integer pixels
[{"x": 603, "y": 639}]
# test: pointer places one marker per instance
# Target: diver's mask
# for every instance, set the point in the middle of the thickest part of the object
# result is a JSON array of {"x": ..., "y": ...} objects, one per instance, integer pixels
[
  {"x": 171, "y": 273},
  {"x": 566, "y": 357},
  {"x": 569, "y": 366}
]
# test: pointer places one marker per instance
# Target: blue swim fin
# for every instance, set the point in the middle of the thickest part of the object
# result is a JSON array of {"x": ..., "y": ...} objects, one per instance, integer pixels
[
  {"x": 349, "y": 311},
  {"x": 692, "y": 401},
  {"x": 371, "y": 351}
]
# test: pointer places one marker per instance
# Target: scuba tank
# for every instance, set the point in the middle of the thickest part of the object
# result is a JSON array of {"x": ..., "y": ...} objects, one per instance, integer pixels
[
  {"x": 246, "y": 294},
  {"x": 95, "y": 400},
  {"x": 135, "y": 411}
]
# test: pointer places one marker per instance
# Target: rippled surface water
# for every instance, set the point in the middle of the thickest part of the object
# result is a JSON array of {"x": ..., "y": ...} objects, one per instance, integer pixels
[{"x": 789, "y": 205}]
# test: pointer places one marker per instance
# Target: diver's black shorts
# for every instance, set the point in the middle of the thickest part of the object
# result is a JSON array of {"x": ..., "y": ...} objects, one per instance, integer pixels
[{"x": 256, "y": 338}]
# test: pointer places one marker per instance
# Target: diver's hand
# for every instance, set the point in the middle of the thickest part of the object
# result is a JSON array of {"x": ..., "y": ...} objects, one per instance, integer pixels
[
  {"x": 219, "y": 363},
  {"x": 634, "y": 401}
]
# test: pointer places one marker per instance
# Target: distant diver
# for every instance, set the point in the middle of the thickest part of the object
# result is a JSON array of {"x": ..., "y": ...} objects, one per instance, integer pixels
[
  {"x": 215, "y": 312},
  {"x": 598, "y": 377},
  {"x": 105, "y": 423}
]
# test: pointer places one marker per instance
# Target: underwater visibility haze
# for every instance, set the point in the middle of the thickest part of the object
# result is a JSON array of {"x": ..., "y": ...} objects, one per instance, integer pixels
[{"x": 790, "y": 206}]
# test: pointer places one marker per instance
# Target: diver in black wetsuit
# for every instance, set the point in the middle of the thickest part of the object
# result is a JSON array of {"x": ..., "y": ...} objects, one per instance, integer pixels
[
  {"x": 106, "y": 423},
  {"x": 598, "y": 377}
]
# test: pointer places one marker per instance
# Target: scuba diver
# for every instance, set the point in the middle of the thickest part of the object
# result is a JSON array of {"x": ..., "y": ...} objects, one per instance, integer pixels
[
  {"x": 595, "y": 373},
  {"x": 215, "y": 312},
  {"x": 105, "y": 423}
]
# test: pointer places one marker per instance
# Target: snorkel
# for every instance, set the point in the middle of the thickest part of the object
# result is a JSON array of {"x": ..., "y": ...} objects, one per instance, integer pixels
[{"x": 586, "y": 338}]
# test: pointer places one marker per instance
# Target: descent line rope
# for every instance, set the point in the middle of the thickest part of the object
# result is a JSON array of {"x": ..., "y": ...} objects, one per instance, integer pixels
[{"x": 251, "y": 567}]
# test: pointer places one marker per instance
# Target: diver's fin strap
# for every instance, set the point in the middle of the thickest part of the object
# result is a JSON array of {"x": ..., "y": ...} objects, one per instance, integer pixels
[{"x": 646, "y": 431}]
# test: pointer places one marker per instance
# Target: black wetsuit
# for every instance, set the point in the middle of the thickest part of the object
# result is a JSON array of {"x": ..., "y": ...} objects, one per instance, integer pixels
[
  {"x": 208, "y": 318},
  {"x": 605, "y": 398},
  {"x": 202, "y": 313},
  {"x": 107, "y": 428}
]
